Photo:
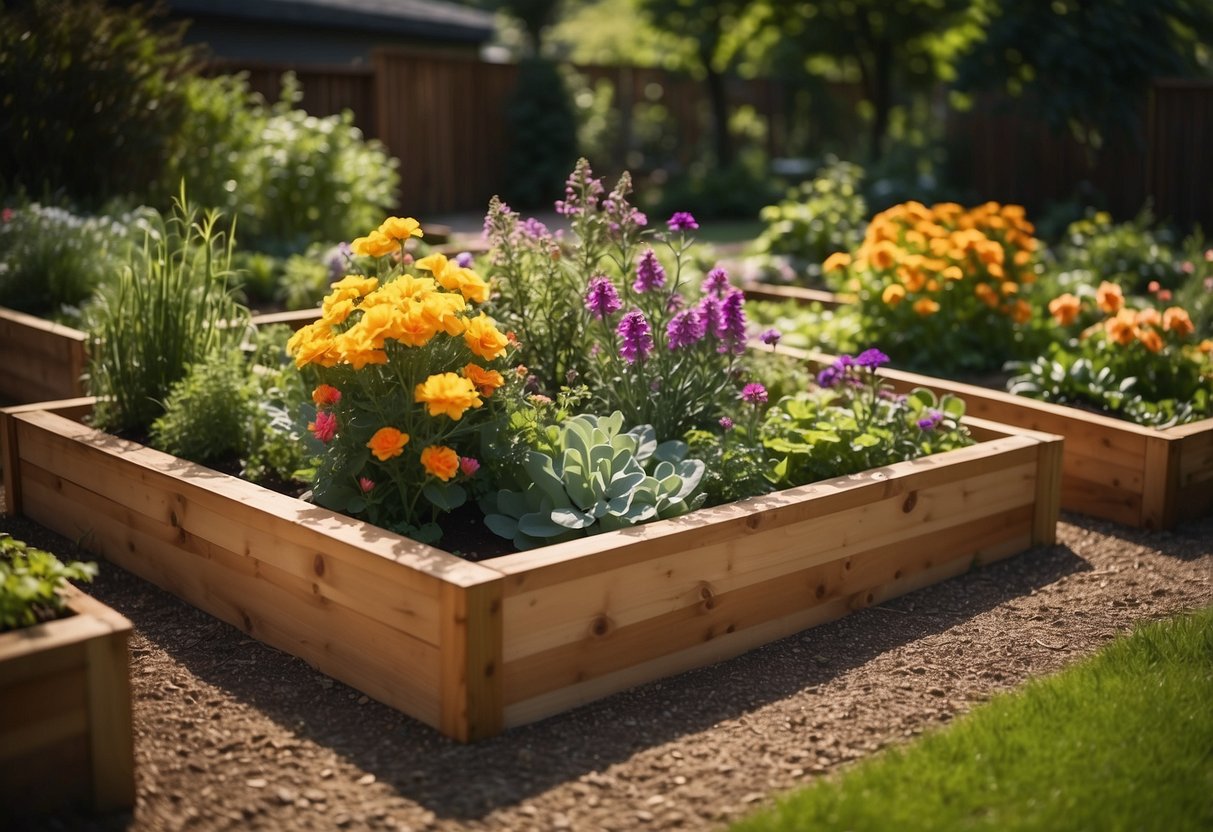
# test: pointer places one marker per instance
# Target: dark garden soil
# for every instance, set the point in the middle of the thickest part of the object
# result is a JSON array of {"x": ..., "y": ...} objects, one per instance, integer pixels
[{"x": 230, "y": 734}]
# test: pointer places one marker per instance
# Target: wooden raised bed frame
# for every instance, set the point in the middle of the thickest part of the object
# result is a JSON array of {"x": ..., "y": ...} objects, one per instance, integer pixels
[
  {"x": 473, "y": 648},
  {"x": 65, "y": 711},
  {"x": 42, "y": 361}
]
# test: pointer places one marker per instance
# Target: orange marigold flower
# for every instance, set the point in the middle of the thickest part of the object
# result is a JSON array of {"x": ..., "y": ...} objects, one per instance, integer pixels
[
  {"x": 893, "y": 294},
  {"x": 485, "y": 381},
  {"x": 837, "y": 260},
  {"x": 1109, "y": 297},
  {"x": 1148, "y": 317},
  {"x": 884, "y": 254},
  {"x": 925, "y": 307},
  {"x": 375, "y": 244},
  {"x": 1206, "y": 346},
  {"x": 986, "y": 294},
  {"x": 440, "y": 461},
  {"x": 1065, "y": 308},
  {"x": 1122, "y": 329},
  {"x": 387, "y": 443},
  {"x": 1176, "y": 320},
  {"x": 325, "y": 395},
  {"x": 1020, "y": 311},
  {"x": 447, "y": 393},
  {"x": 1150, "y": 339},
  {"x": 483, "y": 338},
  {"x": 401, "y": 228}
]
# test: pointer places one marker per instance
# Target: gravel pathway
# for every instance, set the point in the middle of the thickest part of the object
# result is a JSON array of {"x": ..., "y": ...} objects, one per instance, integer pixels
[{"x": 231, "y": 734}]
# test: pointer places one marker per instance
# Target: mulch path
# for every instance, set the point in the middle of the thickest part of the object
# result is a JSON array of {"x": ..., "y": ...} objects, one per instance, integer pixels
[{"x": 231, "y": 734}]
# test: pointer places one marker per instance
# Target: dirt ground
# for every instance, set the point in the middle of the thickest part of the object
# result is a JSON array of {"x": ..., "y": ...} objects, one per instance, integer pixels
[{"x": 230, "y": 734}]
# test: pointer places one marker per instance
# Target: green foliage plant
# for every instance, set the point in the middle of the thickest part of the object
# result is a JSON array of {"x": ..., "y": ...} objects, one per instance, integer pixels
[
  {"x": 852, "y": 422},
  {"x": 52, "y": 260},
  {"x": 597, "y": 478},
  {"x": 543, "y": 134},
  {"x": 1132, "y": 254},
  {"x": 1195, "y": 293},
  {"x": 30, "y": 583},
  {"x": 947, "y": 289},
  {"x": 1143, "y": 364},
  {"x": 170, "y": 307},
  {"x": 817, "y": 218},
  {"x": 407, "y": 373}
]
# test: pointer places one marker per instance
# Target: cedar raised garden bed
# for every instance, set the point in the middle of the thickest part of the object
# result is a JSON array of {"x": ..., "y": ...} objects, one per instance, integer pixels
[
  {"x": 473, "y": 648},
  {"x": 42, "y": 361},
  {"x": 65, "y": 712}
]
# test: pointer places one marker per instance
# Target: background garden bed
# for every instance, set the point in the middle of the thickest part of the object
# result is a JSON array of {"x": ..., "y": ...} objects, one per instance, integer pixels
[
  {"x": 42, "y": 361},
  {"x": 473, "y": 648},
  {"x": 65, "y": 711}
]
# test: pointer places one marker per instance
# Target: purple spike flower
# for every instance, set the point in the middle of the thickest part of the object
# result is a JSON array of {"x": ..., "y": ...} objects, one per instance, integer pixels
[
  {"x": 684, "y": 329},
  {"x": 716, "y": 283},
  {"x": 770, "y": 337},
  {"x": 712, "y": 315},
  {"x": 732, "y": 310},
  {"x": 682, "y": 221},
  {"x": 602, "y": 300},
  {"x": 649, "y": 273},
  {"x": 754, "y": 393},
  {"x": 637, "y": 337}
]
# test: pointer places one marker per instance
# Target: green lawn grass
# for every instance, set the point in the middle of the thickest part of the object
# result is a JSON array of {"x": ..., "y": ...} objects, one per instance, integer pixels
[{"x": 1122, "y": 741}]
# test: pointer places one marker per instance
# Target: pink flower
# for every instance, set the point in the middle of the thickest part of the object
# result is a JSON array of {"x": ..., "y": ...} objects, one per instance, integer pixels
[
  {"x": 469, "y": 465},
  {"x": 325, "y": 426},
  {"x": 366, "y": 485},
  {"x": 7, "y": 215}
]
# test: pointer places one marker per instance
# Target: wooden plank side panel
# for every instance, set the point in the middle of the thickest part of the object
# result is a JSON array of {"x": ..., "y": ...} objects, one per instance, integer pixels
[
  {"x": 546, "y": 616},
  {"x": 110, "y": 723},
  {"x": 471, "y": 661},
  {"x": 41, "y": 360},
  {"x": 263, "y": 601},
  {"x": 1195, "y": 480}
]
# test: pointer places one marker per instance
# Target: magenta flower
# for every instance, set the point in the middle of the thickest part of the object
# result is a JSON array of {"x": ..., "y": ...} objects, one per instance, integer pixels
[
  {"x": 637, "y": 337},
  {"x": 602, "y": 299},
  {"x": 770, "y": 337},
  {"x": 682, "y": 221},
  {"x": 726, "y": 423},
  {"x": 649, "y": 273},
  {"x": 754, "y": 393},
  {"x": 684, "y": 329},
  {"x": 325, "y": 426},
  {"x": 469, "y": 465},
  {"x": 366, "y": 485},
  {"x": 716, "y": 283},
  {"x": 732, "y": 311}
]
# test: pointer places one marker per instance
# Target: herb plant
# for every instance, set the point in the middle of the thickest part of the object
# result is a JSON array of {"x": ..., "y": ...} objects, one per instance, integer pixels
[{"x": 30, "y": 581}]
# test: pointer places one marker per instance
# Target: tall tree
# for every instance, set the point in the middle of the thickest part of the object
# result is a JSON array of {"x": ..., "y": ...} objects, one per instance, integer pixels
[
  {"x": 1087, "y": 64},
  {"x": 888, "y": 45}
]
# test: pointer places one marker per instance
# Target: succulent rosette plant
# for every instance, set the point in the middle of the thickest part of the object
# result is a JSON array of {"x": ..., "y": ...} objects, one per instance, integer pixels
[{"x": 407, "y": 374}]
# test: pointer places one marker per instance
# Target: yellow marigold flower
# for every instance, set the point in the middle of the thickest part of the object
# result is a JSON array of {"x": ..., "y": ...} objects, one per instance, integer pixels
[
  {"x": 486, "y": 381},
  {"x": 893, "y": 294},
  {"x": 387, "y": 443},
  {"x": 357, "y": 359},
  {"x": 884, "y": 254},
  {"x": 312, "y": 344},
  {"x": 1065, "y": 308},
  {"x": 986, "y": 294},
  {"x": 443, "y": 309},
  {"x": 837, "y": 260},
  {"x": 416, "y": 328},
  {"x": 915, "y": 238},
  {"x": 1176, "y": 320},
  {"x": 355, "y": 285},
  {"x": 484, "y": 339},
  {"x": 1206, "y": 346},
  {"x": 940, "y": 246},
  {"x": 1020, "y": 311},
  {"x": 995, "y": 270},
  {"x": 447, "y": 393},
  {"x": 925, "y": 307},
  {"x": 1109, "y": 297},
  {"x": 440, "y": 461},
  {"x": 379, "y": 323},
  {"x": 1008, "y": 288},
  {"x": 1022, "y": 258},
  {"x": 375, "y": 244},
  {"x": 1150, "y": 339},
  {"x": 335, "y": 309},
  {"x": 946, "y": 209},
  {"x": 401, "y": 228},
  {"x": 1122, "y": 328},
  {"x": 953, "y": 273},
  {"x": 435, "y": 263},
  {"x": 471, "y": 285}
]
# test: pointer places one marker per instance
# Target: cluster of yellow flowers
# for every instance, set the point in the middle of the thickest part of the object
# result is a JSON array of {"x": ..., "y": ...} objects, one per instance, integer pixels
[
  {"x": 920, "y": 255},
  {"x": 1123, "y": 325}
]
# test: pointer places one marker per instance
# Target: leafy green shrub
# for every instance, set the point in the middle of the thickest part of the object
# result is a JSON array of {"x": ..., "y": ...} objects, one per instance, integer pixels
[
  {"x": 288, "y": 177},
  {"x": 53, "y": 260},
  {"x": 168, "y": 309},
  {"x": 92, "y": 97},
  {"x": 852, "y": 423},
  {"x": 30, "y": 580},
  {"x": 1195, "y": 293},
  {"x": 816, "y": 219},
  {"x": 597, "y": 478},
  {"x": 1130, "y": 254},
  {"x": 543, "y": 131},
  {"x": 738, "y": 191}
]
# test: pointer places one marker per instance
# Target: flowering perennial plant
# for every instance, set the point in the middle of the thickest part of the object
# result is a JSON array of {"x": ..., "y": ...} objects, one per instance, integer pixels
[
  {"x": 851, "y": 421},
  {"x": 615, "y": 306},
  {"x": 408, "y": 371},
  {"x": 948, "y": 288},
  {"x": 1143, "y": 363}
]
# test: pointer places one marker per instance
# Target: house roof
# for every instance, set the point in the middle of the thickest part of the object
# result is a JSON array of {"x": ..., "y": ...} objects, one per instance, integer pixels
[{"x": 419, "y": 18}]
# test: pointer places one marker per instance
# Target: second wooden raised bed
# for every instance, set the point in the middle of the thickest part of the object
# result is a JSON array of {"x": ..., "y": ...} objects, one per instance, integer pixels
[
  {"x": 39, "y": 360},
  {"x": 472, "y": 648}
]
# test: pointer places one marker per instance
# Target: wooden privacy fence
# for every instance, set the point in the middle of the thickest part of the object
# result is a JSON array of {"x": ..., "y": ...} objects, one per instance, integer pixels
[{"x": 444, "y": 117}]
